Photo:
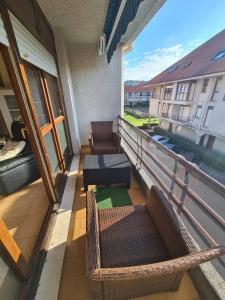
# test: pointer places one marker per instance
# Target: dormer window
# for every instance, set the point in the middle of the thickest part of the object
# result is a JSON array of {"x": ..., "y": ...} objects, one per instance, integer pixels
[
  {"x": 219, "y": 55},
  {"x": 172, "y": 69}
]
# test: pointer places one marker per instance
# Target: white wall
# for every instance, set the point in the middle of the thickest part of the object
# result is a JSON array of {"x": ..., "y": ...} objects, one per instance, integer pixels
[
  {"x": 153, "y": 107},
  {"x": 69, "y": 97},
  {"x": 96, "y": 85}
]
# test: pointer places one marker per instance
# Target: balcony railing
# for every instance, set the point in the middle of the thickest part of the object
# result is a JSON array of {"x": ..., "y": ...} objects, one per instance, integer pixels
[
  {"x": 164, "y": 115},
  {"x": 144, "y": 113},
  {"x": 197, "y": 198},
  {"x": 180, "y": 118}
]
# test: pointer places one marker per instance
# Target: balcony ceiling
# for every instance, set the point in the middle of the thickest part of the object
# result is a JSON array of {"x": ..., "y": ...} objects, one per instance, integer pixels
[{"x": 80, "y": 21}]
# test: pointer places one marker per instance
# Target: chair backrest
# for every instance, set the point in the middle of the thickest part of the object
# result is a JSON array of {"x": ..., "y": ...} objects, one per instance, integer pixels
[
  {"x": 167, "y": 222},
  {"x": 18, "y": 131},
  {"x": 102, "y": 131}
]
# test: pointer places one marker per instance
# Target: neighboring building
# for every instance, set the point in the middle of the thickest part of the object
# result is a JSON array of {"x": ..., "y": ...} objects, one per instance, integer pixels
[
  {"x": 189, "y": 96},
  {"x": 137, "y": 94}
]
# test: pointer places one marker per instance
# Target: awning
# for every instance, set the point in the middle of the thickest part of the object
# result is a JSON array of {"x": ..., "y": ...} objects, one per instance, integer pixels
[{"x": 128, "y": 14}]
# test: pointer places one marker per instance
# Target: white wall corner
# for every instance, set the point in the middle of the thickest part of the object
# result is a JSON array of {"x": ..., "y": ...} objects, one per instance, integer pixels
[{"x": 68, "y": 91}]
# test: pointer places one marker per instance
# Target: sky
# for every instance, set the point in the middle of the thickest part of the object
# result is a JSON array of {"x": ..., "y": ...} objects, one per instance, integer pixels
[{"x": 176, "y": 29}]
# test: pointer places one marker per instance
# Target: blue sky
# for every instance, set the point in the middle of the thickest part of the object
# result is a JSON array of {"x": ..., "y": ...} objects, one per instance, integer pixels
[{"x": 178, "y": 27}]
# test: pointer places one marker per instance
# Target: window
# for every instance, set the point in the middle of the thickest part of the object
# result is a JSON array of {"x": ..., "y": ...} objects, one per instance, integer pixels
[
  {"x": 217, "y": 89},
  {"x": 155, "y": 93},
  {"x": 187, "y": 65},
  {"x": 208, "y": 116},
  {"x": 161, "y": 92},
  {"x": 158, "y": 111},
  {"x": 198, "y": 111},
  {"x": 191, "y": 90},
  {"x": 182, "y": 91},
  {"x": 54, "y": 94},
  {"x": 168, "y": 92},
  {"x": 219, "y": 55},
  {"x": 172, "y": 69},
  {"x": 13, "y": 108},
  {"x": 205, "y": 85},
  {"x": 37, "y": 95}
]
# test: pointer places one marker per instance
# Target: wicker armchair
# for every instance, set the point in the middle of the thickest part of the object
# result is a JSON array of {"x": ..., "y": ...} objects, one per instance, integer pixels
[
  {"x": 139, "y": 250},
  {"x": 103, "y": 140}
]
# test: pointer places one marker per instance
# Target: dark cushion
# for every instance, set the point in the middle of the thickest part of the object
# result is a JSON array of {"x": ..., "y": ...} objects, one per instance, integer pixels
[
  {"x": 128, "y": 237},
  {"x": 104, "y": 147},
  {"x": 16, "y": 161},
  {"x": 167, "y": 222}
]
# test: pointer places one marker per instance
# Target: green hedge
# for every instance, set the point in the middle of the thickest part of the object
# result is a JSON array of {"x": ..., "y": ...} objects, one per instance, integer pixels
[{"x": 210, "y": 157}]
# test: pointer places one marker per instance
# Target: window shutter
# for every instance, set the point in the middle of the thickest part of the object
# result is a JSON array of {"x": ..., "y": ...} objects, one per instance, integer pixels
[
  {"x": 3, "y": 35},
  {"x": 31, "y": 50}
]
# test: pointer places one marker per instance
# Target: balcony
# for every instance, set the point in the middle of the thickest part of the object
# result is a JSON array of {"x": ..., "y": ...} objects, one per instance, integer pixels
[
  {"x": 92, "y": 91},
  {"x": 188, "y": 189},
  {"x": 180, "y": 119},
  {"x": 73, "y": 279},
  {"x": 165, "y": 114}
]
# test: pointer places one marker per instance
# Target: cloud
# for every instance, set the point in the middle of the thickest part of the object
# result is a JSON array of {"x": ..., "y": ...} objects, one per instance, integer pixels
[{"x": 150, "y": 64}]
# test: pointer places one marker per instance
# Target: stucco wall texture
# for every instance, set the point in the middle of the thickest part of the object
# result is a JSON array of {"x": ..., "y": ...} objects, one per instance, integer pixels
[{"x": 96, "y": 85}]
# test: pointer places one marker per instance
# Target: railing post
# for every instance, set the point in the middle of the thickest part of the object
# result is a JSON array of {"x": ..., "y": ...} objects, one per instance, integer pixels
[
  {"x": 184, "y": 190},
  {"x": 173, "y": 179}
]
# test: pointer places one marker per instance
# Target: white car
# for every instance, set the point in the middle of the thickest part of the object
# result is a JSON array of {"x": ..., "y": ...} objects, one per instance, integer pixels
[{"x": 161, "y": 139}]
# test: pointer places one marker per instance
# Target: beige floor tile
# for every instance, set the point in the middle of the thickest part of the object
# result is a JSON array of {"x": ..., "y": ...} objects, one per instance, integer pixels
[
  {"x": 23, "y": 213},
  {"x": 74, "y": 267},
  {"x": 160, "y": 296},
  {"x": 26, "y": 246},
  {"x": 74, "y": 288},
  {"x": 186, "y": 291}
]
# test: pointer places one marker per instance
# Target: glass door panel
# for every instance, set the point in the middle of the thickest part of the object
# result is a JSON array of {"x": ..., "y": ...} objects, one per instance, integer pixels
[
  {"x": 37, "y": 95},
  {"x": 54, "y": 95},
  {"x": 52, "y": 156}
]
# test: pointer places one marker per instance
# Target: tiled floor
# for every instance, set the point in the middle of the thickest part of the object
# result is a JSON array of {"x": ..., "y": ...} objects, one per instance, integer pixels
[
  {"x": 73, "y": 281},
  {"x": 23, "y": 213}
]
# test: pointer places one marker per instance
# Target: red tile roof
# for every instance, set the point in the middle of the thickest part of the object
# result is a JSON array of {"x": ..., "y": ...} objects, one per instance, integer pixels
[
  {"x": 143, "y": 87},
  {"x": 197, "y": 63}
]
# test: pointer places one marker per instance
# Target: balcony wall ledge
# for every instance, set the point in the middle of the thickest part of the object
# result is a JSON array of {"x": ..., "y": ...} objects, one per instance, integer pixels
[{"x": 51, "y": 273}]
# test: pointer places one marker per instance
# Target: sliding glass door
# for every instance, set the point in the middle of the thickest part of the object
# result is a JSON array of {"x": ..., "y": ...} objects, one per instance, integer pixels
[{"x": 47, "y": 107}]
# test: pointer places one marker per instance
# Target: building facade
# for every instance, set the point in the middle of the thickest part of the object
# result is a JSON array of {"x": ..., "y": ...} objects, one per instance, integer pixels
[
  {"x": 137, "y": 94},
  {"x": 189, "y": 97}
]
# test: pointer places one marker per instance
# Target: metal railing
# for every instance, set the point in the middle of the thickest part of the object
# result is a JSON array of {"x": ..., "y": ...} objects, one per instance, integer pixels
[
  {"x": 143, "y": 113},
  {"x": 198, "y": 198},
  {"x": 180, "y": 118},
  {"x": 164, "y": 115}
]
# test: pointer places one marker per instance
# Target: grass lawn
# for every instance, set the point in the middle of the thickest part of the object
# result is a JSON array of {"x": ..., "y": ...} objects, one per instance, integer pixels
[{"x": 137, "y": 121}]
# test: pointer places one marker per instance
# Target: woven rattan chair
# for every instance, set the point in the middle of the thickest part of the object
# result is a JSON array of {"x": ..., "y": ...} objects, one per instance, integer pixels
[
  {"x": 139, "y": 250},
  {"x": 103, "y": 140}
]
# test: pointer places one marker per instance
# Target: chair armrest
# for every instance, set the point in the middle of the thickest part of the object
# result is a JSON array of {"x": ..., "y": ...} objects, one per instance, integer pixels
[
  {"x": 93, "y": 248},
  {"x": 159, "y": 269},
  {"x": 116, "y": 140}
]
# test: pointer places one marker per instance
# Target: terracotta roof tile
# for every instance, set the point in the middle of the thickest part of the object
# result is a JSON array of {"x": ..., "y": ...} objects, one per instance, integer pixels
[{"x": 137, "y": 88}]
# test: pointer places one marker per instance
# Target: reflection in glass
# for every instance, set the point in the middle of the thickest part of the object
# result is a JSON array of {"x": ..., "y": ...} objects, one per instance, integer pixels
[
  {"x": 36, "y": 94},
  {"x": 54, "y": 94}
]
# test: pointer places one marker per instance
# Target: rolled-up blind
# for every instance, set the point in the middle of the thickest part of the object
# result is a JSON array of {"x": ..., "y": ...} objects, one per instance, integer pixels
[
  {"x": 3, "y": 35},
  {"x": 31, "y": 50}
]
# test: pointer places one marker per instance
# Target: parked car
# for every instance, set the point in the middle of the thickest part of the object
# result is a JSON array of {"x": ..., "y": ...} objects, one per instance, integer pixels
[
  {"x": 161, "y": 139},
  {"x": 173, "y": 147}
]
